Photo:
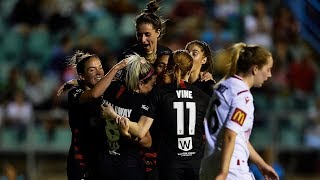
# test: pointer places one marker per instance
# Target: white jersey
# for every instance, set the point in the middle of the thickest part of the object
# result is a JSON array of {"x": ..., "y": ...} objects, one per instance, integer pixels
[{"x": 231, "y": 107}]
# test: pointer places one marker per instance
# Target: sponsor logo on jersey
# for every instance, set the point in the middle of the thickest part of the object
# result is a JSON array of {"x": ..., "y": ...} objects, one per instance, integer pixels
[
  {"x": 247, "y": 99},
  {"x": 185, "y": 144},
  {"x": 145, "y": 107},
  {"x": 238, "y": 116},
  {"x": 77, "y": 92}
]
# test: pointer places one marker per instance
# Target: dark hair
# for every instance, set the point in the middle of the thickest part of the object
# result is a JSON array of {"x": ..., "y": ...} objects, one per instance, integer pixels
[
  {"x": 148, "y": 16},
  {"x": 79, "y": 59},
  {"x": 207, "y": 53}
]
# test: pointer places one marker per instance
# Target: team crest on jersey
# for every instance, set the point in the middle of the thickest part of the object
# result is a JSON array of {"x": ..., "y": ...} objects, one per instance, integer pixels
[
  {"x": 185, "y": 144},
  {"x": 239, "y": 116},
  {"x": 145, "y": 107},
  {"x": 247, "y": 99}
]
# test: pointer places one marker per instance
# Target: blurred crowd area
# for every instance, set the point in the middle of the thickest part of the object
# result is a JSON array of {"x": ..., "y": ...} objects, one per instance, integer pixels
[{"x": 37, "y": 37}]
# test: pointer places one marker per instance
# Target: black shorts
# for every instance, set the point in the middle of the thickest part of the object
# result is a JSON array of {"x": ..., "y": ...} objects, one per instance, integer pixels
[
  {"x": 179, "y": 170},
  {"x": 116, "y": 167}
]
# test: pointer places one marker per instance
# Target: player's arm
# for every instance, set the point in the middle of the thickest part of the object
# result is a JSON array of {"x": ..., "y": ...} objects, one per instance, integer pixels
[
  {"x": 103, "y": 84},
  {"x": 227, "y": 151},
  {"x": 99, "y": 88},
  {"x": 135, "y": 129},
  {"x": 138, "y": 129},
  {"x": 267, "y": 171},
  {"x": 145, "y": 141}
]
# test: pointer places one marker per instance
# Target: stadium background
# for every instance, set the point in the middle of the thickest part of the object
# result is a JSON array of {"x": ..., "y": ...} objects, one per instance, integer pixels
[{"x": 36, "y": 37}]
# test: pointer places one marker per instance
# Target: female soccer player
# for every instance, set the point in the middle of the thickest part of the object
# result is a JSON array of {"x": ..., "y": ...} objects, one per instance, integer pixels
[
  {"x": 180, "y": 108},
  {"x": 118, "y": 154},
  {"x": 121, "y": 158},
  {"x": 83, "y": 109},
  {"x": 202, "y": 62},
  {"x": 230, "y": 116},
  {"x": 149, "y": 30}
]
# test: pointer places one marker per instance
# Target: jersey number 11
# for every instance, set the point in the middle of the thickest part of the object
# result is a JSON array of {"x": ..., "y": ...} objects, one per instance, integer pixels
[{"x": 191, "y": 106}]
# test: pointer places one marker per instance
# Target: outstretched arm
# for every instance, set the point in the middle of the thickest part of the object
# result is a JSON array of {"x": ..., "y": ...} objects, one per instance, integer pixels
[
  {"x": 104, "y": 83},
  {"x": 99, "y": 88},
  {"x": 267, "y": 171}
]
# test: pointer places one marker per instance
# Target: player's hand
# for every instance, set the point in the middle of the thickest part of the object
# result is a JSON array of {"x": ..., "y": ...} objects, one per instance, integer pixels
[
  {"x": 268, "y": 172},
  {"x": 206, "y": 76},
  {"x": 120, "y": 65},
  {"x": 123, "y": 124},
  {"x": 67, "y": 86},
  {"x": 107, "y": 112}
]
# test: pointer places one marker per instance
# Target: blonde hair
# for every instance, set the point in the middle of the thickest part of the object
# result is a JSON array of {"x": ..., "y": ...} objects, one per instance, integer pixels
[
  {"x": 179, "y": 64},
  {"x": 138, "y": 69},
  {"x": 240, "y": 57}
]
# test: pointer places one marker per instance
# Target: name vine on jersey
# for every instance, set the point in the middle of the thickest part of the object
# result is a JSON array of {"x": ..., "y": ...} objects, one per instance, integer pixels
[{"x": 180, "y": 112}]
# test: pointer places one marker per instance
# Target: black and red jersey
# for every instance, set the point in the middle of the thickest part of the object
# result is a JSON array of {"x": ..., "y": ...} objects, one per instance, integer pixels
[
  {"x": 138, "y": 49},
  {"x": 180, "y": 112},
  {"x": 205, "y": 86},
  {"x": 125, "y": 103},
  {"x": 86, "y": 127}
]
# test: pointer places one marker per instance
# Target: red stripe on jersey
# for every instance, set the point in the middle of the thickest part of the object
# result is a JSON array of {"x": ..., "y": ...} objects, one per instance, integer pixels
[
  {"x": 120, "y": 92},
  {"x": 78, "y": 156},
  {"x": 82, "y": 164},
  {"x": 242, "y": 91},
  {"x": 182, "y": 84},
  {"x": 75, "y": 140},
  {"x": 75, "y": 131},
  {"x": 237, "y": 77}
]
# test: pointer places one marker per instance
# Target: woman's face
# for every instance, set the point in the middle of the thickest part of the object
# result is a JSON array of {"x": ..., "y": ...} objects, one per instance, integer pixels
[
  {"x": 147, "y": 36},
  {"x": 146, "y": 87},
  {"x": 261, "y": 75},
  {"x": 93, "y": 71},
  {"x": 197, "y": 55},
  {"x": 161, "y": 64}
]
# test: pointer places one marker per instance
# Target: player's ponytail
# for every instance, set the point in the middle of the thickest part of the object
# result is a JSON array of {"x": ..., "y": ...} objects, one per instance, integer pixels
[
  {"x": 177, "y": 74},
  {"x": 239, "y": 58},
  {"x": 152, "y": 7},
  {"x": 226, "y": 60},
  {"x": 179, "y": 64},
  {"x": 234, "y": 55}
]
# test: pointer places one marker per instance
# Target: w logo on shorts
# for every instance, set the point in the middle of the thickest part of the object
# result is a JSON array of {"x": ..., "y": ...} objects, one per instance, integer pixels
[{"x": 185, "y": 144}]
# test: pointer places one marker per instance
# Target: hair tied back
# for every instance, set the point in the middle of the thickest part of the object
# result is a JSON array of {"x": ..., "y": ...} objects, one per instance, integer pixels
[{"x": 152, "y": 7}]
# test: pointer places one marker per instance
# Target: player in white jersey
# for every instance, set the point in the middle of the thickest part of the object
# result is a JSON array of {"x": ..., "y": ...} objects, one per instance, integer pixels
[{"x": 230, "y": 116}]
